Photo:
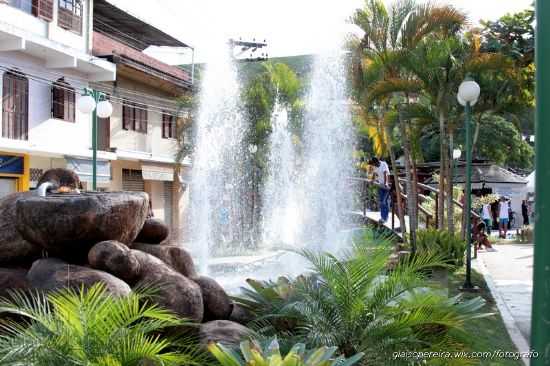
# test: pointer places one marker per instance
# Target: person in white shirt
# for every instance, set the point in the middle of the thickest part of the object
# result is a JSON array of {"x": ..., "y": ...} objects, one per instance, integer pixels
[
  {"x": 486, "y": 217},
  {"x": 382, "y": 180},
  {"x": 503, "y": 217}
]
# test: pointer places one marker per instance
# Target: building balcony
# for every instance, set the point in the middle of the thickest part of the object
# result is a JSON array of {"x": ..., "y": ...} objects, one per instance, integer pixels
[{"x": 28, "y": 34}]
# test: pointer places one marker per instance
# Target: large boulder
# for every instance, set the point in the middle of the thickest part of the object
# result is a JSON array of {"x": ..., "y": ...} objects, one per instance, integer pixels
[
  {"x": 70, "y": 224},
  {"x": 174, "y": 256},
  {"x": 241, "y": 315},
  {"x": 14, "y": 250},
  {"x": 217, "y": 304},
  {"x": 223, "y": 331},
  {"x": 60, "y": 177},
  {"x": 154, "y": 231},
  {"x": 53, "y": 274},
  {"x": 12, "y": 279},
  {"x": 174, "y": 291},
  {"x": 116, "y": 258}
]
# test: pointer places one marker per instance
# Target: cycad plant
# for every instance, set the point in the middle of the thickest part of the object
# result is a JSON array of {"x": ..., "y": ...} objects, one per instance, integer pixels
[
  {"x": 253, "y": 354},
  {"x": 89, "y": 327},
  {"x": 358, "y": 305},
  {"x": 355, "y": 303}
]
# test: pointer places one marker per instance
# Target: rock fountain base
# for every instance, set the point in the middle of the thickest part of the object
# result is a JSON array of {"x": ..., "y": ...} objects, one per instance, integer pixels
[{"x": 76, "y": 240}]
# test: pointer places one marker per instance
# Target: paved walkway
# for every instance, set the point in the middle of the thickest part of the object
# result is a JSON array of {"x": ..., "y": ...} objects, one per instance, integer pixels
[{"x": 509, "y": 273}]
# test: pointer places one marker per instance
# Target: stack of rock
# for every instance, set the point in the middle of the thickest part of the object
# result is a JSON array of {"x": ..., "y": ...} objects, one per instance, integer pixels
[{"x": 79, "y": 239}]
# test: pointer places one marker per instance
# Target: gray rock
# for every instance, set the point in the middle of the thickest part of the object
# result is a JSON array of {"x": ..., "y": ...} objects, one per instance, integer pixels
[
  {"x": 54, "y": 274},
  {"x": 116, "y": 258},
  {"x": 217, "y": 304},
  {"x": 12, "y": 280},
  {"x": 175, "y": 292},
  {"x": 241, "y": 315},
  {"x": 174, "y": 256},
  {"x": 70, "y": 224},
  {"x": 154, "y": 231},
  {"x": 14, "y": 250},
  {"x": 223, "y": 331}
]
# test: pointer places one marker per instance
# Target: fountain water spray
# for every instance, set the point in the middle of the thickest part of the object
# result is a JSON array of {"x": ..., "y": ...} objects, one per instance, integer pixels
[
  {"x": 218, "y": 159},
  {"x": 328, "y": 139},
  {"x": 281, "y": 197}
]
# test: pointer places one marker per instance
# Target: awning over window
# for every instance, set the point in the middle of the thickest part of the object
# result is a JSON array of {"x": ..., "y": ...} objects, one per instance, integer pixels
[
  {"x": 162, "y": 172},
  {"x": 84, "y": 168}
]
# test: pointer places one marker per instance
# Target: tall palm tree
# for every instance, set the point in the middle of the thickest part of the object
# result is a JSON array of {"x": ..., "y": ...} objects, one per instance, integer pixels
[{"x": 390, "y": 35}]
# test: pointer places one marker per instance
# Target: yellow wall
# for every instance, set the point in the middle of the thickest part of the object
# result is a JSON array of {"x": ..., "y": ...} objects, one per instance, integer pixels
[{"x": 23, "y": 180}]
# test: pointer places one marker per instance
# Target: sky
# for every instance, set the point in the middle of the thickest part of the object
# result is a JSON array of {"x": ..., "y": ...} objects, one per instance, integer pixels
[{"x": 290, "y": 27}]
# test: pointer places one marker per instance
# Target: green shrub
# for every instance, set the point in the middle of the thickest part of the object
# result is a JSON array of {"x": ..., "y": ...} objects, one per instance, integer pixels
[
  {"x": 253, "y": 354},
  {"x": 90, "y": 327},
  {"x": 355, "y": 304},
  {"x": 450, "y": 246}
]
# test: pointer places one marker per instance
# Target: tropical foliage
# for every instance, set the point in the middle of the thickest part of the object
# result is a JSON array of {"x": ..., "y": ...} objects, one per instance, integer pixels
[
  {"x": 356, "y": 304},
  {"x": 449, "y": 245},
  {"x": 90, "y": 327},
  {"x": 253, "y": 354},
  {"x": 406, "y": 71}
]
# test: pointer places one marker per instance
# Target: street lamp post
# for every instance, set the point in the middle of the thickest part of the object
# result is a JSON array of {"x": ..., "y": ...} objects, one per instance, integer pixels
[
  {"x": 94, "y": 102},
  {"x": 468, "y": 93}
]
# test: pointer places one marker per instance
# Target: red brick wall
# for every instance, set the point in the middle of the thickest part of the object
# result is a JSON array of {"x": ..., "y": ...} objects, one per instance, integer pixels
[{"x": 105, "y": 46}]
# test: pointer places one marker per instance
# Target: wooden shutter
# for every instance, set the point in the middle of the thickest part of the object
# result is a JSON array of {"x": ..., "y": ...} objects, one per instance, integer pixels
[
  {"x": 127, "y": 116},
  {"x": 173, "y": 124},
  {"x": 15, "y": 106},
  {"x": 165, "y": 131},
  {"x": 57, "y": 102},
  {"x": 63, "y": 101},
  {"x": 71, "y": 18},
  {"x": 104, "y": 134},
  {"x": 43, "y": 9},
  {"x": 69, "y": 104},
  {"x": 141, "y": 122}
]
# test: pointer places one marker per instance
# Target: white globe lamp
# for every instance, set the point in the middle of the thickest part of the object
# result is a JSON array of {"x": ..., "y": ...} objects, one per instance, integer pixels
[
  {"x": 456, "y": 154},
  {"x": 86, "y": 104},
  {"x": 104, "y": 109},
  {"x": 468, "y": 92},
  {"x": 252, "y": 148}
]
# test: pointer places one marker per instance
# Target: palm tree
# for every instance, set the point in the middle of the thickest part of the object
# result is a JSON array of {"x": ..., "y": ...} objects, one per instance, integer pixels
[
  {"x": 389, "y": 37},
  {"x": 89, "y": 327}
]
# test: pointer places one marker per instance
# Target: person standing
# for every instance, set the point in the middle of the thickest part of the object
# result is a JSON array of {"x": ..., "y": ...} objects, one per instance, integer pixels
[
  {"x": 486, "y": 217},
  {"x": 503, "y": 217},
  {"x": 382, "y": 181},
  {"x": 525, "y": 212}
]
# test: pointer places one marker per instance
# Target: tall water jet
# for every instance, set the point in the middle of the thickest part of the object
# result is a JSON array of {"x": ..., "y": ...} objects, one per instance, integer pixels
[
  {"x": 216, "y": 214},
  {"x": 282, "y": 203},
  {"x": 328, "y": 139}
]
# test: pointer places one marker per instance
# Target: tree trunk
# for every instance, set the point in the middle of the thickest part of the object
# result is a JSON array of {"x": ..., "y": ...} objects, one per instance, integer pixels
[
  {"x": 399, "y": 199},
  {"x": 415, "y": 188},
  {"x": 411, "y": 195},
  {"x": 442, "y": 166},
  {"x": 450, "y": 205}
]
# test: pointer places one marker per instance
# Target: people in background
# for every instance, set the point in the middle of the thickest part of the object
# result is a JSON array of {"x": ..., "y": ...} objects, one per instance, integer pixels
[
  {"x": 482, "y": 239},
  {"x": 486, "y": 217},
  {"x": 525, "y": 212},
  {"x": 503, "y": 217},
  {"x": 382, "y": 180}
]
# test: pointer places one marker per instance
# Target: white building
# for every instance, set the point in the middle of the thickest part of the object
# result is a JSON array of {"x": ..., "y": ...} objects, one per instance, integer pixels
[
  {"x": 43, "y": 42},
  {"x": 50, "y": 50}
]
